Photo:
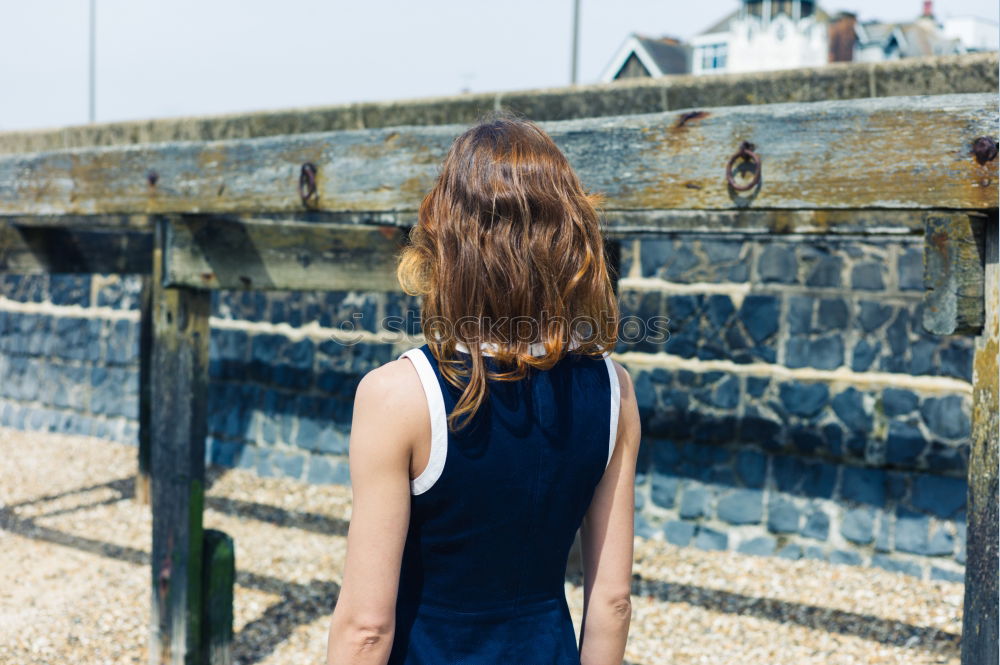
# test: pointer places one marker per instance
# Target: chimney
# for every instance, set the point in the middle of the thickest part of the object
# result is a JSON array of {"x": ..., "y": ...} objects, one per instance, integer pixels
[
  {"x": 842, "y": 37},
  {"x": 928, "y": 9}
]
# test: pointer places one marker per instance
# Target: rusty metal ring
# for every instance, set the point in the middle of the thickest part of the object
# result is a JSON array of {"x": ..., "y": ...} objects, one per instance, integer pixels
[
  {"x": 984, "y": 149},
  {"x": 307, "y": 184},
  {"x": 746, "y": 151}
]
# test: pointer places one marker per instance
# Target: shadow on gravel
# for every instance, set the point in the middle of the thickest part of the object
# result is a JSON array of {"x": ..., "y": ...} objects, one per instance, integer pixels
[
  {"x": 124, "y": 488},
  {"x": 303, "y": 603},
  {"x": 865, "y": 626},
  {"x": 315, "y": 522},
  {"x": 298, "y": 604}
]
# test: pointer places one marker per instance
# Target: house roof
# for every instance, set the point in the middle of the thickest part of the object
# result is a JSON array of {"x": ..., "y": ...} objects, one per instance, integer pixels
[
  {"x": 913, "y": 39},
  {"x": 670, "y": 55},
  {"x": 725, "y": 24},
  {"x": 659, "y": 55},
  {"x": 722, "y": 25},
  {"x": 874, "y": 31}
]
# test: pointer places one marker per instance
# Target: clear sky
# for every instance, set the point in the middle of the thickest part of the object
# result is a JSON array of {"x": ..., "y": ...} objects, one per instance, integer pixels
[{"x": 196, "y": 57}]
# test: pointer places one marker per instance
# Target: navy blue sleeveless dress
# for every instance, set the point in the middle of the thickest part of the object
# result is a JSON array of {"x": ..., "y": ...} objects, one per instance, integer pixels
[{"x": 495, "y": 512}]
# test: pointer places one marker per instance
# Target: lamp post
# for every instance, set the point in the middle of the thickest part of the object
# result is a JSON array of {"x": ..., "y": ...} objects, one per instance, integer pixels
[
  {"x": 576, "y": 41},
  {"x": 93, "y": 57}
]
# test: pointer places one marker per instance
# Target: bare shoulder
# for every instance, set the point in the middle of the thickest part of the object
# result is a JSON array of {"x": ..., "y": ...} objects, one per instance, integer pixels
[
  {"x": 624, "y": 381},
  {"x": 396, "y": 380},
  {"x": 391, "y": 399},
  {"x": 628, "y": 418}
]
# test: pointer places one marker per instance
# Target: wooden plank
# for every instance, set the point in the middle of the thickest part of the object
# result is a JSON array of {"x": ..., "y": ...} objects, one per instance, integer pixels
[
  {"x": 953, "y": 273},
  {"x": 253, "y": 253},
  {"x": 68, "y": 250},
  {"x": 819, "y": 155},
  {"x": 218, "y": 580},
  {"x": 104, "y": 222},
  {"x": 617, "y": 222},
  {"x": 179, "y": 394},
  {"x": 623, "y": 223},
  {"x": 980, "y": 637},
  {"x": 221, "y": 253}
]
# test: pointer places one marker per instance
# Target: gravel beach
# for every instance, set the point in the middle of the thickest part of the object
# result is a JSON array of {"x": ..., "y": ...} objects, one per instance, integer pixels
[{"x": 75, "y": 587}]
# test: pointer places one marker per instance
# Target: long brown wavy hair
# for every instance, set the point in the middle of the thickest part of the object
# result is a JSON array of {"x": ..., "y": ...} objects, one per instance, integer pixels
[{"x": 508, "y": 251}]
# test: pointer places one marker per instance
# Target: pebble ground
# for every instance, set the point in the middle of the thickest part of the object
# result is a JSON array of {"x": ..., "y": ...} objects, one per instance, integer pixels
[{"x": 75, "y": 578}]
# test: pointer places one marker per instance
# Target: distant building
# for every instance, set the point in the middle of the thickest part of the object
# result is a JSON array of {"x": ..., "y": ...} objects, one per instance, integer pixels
[
  {"x": 877, "y": 41},
  {"x": 762, "y": 35},
  {"x": 784, "y": 34},
  {"x": 648, "y": 56}
]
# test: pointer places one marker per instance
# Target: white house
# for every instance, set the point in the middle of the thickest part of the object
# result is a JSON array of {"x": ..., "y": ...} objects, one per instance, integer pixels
[
  {"x": 785, "y": 34},
  {"x": 761, "y": 35}
]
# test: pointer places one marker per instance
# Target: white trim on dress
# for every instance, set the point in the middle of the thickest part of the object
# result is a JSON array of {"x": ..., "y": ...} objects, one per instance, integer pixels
[
  {"x": 616, "y": 395},
  {"x": 439, "y": 422},
  {"x": 535, "y": 348}
]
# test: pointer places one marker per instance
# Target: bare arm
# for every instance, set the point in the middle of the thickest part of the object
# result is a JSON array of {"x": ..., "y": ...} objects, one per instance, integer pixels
[
  {"x": 389, "y": 412},
  {"x": 606, "y": 538}
]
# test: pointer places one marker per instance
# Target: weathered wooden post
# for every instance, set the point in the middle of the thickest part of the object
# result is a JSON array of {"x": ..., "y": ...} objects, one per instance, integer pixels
[
  {"x": 145, "y": 381},
  {"x": 963, "y": 282},
  {"x": 980, "y": 635},
  {"x": 179, "y": 391},
  {"x": 963, "y": 295}
]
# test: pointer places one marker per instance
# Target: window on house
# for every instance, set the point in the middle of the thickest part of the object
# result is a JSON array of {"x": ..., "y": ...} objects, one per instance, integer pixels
[{"x": 713, "y": 56}]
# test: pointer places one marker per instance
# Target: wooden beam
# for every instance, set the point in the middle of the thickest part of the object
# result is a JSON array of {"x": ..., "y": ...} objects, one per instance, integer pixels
[
  {"x": 980, "y": 636},
  {"x": 179, "y": 396},
  {"x": 104, "y": 222},
  {"x": 751, "y": 221},
  {"x": 953, "y": 273},
  {"x": 617, "y": 222},
  {"x": 220, "y": 253},
  {"x": 216, "y": 252},
  {"x": 151, "y": 291},
  {"x": 324, "y": 250},
  {"x": 819, "y": 155},
  {"x": 67, "y": 250}
]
